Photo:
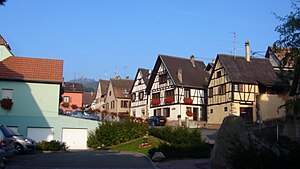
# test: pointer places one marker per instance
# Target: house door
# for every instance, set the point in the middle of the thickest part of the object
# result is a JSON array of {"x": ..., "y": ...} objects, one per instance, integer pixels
[
  {"x": 195, "y": 114},
  {"x": 247, "y": 114}
]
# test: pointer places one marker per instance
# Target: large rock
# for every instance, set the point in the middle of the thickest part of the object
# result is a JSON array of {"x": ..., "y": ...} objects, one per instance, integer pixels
[
  {"x": 233, "y": 129},
  {"x": 158, "y": 156}
]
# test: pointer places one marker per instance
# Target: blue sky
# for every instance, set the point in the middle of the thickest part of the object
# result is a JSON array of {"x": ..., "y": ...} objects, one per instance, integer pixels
[{"x": 102, "y": 39}]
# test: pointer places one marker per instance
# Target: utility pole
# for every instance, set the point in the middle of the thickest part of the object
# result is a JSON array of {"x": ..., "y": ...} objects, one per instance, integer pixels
[{"x": 234, "y": 43}]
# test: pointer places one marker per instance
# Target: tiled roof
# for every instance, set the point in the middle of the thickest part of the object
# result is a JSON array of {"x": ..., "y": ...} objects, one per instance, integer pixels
[
  {"x": 257, "y": 71},
  {"x": 121, "y": 87},
  {"x": 73, "y": 87},
  {"x": 104, "y": 86},
  {"x": 192, "y": 76},
  {"x": 88, "y": 97},
  {"x": 31, "y": 69}
]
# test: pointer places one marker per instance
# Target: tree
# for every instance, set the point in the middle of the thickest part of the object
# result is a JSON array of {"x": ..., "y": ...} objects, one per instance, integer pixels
[
  {"x": 2, "y": 2},
  {"x": 289, "y": 38}
]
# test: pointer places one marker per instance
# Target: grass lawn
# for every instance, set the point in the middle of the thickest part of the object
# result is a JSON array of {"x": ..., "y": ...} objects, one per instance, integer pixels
[{"x": 133, "y": 145}]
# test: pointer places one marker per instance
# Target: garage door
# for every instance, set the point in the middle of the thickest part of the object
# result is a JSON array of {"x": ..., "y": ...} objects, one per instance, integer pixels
[
  {"x": 40, "y": 134},
  {"x": 75, "y": 138}
]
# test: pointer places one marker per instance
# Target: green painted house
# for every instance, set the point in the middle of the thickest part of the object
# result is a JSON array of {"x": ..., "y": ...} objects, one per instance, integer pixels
[{"x": 30, "y": 89}]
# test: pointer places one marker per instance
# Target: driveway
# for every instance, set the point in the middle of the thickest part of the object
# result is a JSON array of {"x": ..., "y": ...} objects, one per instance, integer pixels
[{"x": 79, "y": 160}]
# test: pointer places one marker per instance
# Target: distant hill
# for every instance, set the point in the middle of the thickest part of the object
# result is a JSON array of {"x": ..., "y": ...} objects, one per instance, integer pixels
[{"x": 88, "y": 84}]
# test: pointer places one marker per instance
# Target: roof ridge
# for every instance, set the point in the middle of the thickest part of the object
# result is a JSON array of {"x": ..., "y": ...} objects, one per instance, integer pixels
[{"x": 178, "y": 57}]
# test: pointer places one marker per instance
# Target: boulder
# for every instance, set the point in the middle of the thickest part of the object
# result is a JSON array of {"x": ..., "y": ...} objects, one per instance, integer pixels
[
  {"x": 232, "y": 130},
  {"x": 158, "y": 157}
]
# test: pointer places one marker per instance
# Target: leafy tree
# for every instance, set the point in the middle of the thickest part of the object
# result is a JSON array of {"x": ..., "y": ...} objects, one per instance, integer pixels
[
  {"x": 289, "y": 38},
  {"x": 2, "y": 2}
]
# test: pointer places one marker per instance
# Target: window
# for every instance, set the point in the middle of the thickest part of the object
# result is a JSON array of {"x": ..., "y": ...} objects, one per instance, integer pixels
[
  {"x": 163, "y": 78},
  {"x": 107, "y": 106},
  {"x": 156, "y": 96},
  {"x": 222, "y": 89},
  {"x": 210, "y": 92},
  {"x": 112, "y": 105},
  {"x": 225, "y": 109},
  {"x": 211, "y": 110},
  {"x": 133, "y": 113},
  {"x": 187, "y": 93},
  {"x": 7, "y": 93},
  {"x": 169, "y": 94},
  {"x": 139, "y": 81},
  {"x": 238, "y": 87},
  {"x": 157, "y": 112},
  {"x": 166, "y": 112},
  {"x": 110, "y": 93},
  {"x": 67, "y": 99},
  {"x": 143, "y": 112},
  {"x": 124, "y": 104},
  {"x": 218, "y": 74},
  {"x": 141, "y": 95},
  {"x": 133, "y": 97}
]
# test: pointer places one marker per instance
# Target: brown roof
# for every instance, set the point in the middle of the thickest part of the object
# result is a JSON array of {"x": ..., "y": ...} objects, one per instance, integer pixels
[
  {"x": 192, "y": 76},
  {"x": 257, "y": 71},
  {"x": 104, "y": 86},
  {"x": 88, "y": 98},
  {"x": 72, "y": 87},
  {"x": 31, "y": 69},
  {"x": 121, "y": 87},
  {"x": 145, "y": 75}
]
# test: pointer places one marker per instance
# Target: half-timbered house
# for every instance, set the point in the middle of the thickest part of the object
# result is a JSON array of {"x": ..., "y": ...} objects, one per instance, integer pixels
[
  {"x": 246, "y": 87},
  {"x": 177, "y": 89},
  {"x": 139, "y": 98}
]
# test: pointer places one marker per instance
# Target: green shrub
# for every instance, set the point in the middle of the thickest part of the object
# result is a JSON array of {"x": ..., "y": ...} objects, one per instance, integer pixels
[
  {"x": 180, "y": 135},
  {"x": 108, "y": 134},
  {"x": 180, "y": 143},
  {"x": 53, "y": 145}
]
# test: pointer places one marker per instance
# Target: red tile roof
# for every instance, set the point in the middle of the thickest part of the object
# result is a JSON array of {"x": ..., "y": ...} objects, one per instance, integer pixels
[{"x": 31, "y": 69}]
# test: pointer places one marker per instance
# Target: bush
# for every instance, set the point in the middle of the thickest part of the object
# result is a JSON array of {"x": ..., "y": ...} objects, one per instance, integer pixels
[
  {"x": 114, "y": 133},
  {"x": 53, "y": 145},
  {"x": 180, "y": 143}
]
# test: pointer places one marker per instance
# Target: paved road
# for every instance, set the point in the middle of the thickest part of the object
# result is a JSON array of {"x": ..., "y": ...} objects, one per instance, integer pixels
[{"x": 79, "y": 160}]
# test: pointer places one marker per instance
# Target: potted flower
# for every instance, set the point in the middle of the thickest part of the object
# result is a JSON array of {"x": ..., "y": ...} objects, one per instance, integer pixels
[
  {"x": 188, "y": 100},
  {"x": 6, "y": 103},
  {"x": 65, "y": 104},
  {"x": 155, "y": 101},
  {"x": 74, "y": 106},
  {"x": 189, "y": 113},
  {"x": 169, "y": 100}
]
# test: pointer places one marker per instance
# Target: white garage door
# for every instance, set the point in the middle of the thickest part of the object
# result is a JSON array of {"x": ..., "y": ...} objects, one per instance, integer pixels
[
  {"x": 75, "y": 138},
  {"x": 40, "y": 134}
]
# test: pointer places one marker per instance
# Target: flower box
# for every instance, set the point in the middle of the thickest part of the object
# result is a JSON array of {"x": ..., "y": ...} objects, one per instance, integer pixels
[
  {"x": 188, "y": 100},
  {"x": 155, "y": 102},
  {"x": 189, "y": 113},
  {"x": 6, "y": 104},
  {"x": 169, "y": 100}
]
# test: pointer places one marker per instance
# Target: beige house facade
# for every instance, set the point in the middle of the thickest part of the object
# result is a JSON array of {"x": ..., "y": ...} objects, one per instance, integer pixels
[
  {"x": 246, "y": 87},
  {"x": 118, "y": 98}
]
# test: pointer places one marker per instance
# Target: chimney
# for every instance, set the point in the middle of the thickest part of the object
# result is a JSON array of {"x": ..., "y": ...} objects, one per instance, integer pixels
[
  {"x": 118, "y": 77},
  {"x": 192, "y": 58},
  {"x": 179, "y": 74},
  {"x": 127, "y": 77},
  {"x": 247, "y": 50}
]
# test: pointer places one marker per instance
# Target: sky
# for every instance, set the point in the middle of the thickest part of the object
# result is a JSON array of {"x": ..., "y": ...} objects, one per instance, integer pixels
[{"x": 100, "y": 39}]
